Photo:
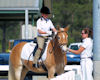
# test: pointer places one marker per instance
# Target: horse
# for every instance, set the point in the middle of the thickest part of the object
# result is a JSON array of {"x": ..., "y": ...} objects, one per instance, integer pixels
[{"x": 55, "y": 60}]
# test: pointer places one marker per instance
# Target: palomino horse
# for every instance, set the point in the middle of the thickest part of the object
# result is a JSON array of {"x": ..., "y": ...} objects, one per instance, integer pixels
[{"x": 54, "y": 62}]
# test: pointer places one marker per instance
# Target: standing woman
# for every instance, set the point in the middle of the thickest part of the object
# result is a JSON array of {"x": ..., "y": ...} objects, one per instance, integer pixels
[{"x": 86, "y": 54}]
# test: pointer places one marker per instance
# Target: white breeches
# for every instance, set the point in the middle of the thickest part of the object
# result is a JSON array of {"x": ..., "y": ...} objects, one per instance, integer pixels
[{"x": 87, "y": 68}]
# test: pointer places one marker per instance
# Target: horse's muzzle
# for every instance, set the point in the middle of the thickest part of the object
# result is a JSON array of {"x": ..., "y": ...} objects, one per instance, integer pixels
[{"x": 64, "y": 48}]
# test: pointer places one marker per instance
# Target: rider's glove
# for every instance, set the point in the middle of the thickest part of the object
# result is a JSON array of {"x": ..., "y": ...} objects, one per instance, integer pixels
[{"x": 55, "y": 33}]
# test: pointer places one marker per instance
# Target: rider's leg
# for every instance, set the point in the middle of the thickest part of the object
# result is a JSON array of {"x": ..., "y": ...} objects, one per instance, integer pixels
[{"x": 40, "y": 41}]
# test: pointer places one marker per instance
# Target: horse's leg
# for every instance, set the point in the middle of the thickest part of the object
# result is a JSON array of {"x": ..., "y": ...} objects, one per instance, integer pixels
[
  {"x": 60, "y": 72},
  {"x": 24, "y": 72},
  {"x": 14, "y": 73},
  {"x": 18, "y": 71},
  {"x": 11, "y": 75},
  {"x": 51, "y": 72}
]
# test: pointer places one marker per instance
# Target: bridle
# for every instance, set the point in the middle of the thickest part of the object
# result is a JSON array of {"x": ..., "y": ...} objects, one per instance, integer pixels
[{"x": 62, "y": 44}]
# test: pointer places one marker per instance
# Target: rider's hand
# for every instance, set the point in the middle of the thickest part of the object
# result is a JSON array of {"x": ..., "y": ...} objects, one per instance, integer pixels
[
  {"x": 49, "y": 32},
  {"x": 55, "y": 33}
]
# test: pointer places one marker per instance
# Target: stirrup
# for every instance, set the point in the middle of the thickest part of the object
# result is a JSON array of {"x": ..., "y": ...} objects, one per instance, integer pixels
[{"x": 37, "y": 65}]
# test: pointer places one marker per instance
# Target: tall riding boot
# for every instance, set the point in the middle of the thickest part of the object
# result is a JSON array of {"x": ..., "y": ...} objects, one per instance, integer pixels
[{"x": 37, "y": 55}]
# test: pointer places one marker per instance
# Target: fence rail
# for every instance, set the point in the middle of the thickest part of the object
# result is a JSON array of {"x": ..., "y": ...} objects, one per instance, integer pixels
[
  {"x": 72, "y": 72},
  {"x": 66, "y": 76}
]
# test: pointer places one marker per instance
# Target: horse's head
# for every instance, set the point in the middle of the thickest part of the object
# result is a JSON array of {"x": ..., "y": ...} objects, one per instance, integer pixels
[{"x": 62, "y": 38}]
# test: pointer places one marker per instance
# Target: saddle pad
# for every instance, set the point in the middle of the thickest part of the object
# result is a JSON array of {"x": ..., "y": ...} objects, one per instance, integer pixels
[{"x": 27, "y": 50}]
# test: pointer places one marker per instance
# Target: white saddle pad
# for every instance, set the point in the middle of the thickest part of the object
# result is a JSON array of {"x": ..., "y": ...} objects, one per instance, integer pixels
[{"x": 27, "y": 50}]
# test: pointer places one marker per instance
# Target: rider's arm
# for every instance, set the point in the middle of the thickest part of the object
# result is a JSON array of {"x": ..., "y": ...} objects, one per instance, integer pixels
[
  {"x": 41, "y": 32},
  {"x": 54, "y": 29}
]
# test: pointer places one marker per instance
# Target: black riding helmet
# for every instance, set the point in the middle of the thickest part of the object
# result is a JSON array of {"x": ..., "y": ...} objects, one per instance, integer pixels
[{"x": 45, "y": 10}]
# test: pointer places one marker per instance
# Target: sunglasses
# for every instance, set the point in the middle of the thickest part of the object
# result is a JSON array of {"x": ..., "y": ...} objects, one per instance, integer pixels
[{"x": 83, "y": 33}]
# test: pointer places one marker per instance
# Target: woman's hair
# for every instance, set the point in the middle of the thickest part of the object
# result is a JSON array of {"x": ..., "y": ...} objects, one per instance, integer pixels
[{"x": 88, "y": 31}]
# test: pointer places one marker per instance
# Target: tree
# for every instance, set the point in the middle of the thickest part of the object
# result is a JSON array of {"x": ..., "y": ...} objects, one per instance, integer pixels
[
  {"x": 8, "y": 30},
  {"x": 78, "y": 13}
]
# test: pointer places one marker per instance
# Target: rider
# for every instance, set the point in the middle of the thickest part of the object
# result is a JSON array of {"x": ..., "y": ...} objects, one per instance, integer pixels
[{"x": 43, "y": 31}]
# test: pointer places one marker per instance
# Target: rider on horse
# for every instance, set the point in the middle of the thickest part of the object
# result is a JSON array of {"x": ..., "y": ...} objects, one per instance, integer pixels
[{"x": 43, "y": 28}]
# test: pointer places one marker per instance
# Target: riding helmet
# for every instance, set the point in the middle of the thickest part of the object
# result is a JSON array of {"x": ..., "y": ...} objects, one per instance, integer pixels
[{"x": 45, "y": 10}]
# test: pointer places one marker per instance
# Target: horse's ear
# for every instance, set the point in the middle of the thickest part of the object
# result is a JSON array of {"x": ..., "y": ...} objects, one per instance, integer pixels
[
  {"x": 67, "y": 28},
  {"x": 58, "y": 27}
]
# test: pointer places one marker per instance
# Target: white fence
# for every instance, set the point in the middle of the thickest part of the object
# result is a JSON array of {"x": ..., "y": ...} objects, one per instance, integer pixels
[
  {"x": 73, "y": 73},
  {"x": 4, "y": 67},
  {"x": 66, "y": 76}
]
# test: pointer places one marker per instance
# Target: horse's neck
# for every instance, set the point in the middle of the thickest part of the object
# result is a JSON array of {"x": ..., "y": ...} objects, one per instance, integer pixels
[
  {"x": 55, "y": 44},
  {"x": 57, "y": 52}
]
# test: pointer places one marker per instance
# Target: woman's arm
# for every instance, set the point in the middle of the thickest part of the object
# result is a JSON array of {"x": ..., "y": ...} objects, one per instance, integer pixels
[{"x": 77, "y": 51}]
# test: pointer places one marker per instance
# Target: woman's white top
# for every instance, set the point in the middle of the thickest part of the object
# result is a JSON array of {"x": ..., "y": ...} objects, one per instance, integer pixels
[
  {"x": 44, "y": 25},
  {"x": 88, "y": 45}
]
